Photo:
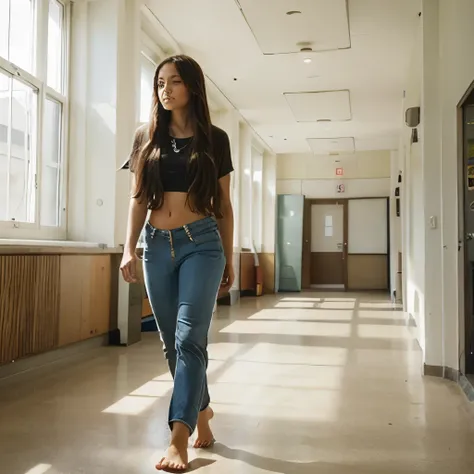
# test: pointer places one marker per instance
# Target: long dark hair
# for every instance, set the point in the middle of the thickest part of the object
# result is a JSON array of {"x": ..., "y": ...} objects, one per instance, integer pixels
[{"x": 203, "y": 196}]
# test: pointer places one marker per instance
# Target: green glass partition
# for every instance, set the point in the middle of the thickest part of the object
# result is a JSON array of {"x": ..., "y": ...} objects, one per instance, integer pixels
[{"x": 289, "y": 242}]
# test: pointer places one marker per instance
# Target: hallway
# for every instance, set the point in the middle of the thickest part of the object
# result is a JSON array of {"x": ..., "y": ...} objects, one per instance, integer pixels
[{"x": 300, "y": 384}]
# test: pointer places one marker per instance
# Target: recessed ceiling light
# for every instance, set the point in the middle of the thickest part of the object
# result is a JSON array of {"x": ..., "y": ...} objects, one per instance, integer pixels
[{"x": 293, "y": 12}]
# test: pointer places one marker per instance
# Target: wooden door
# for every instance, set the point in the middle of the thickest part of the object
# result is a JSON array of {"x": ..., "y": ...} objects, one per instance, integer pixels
[{"x": 327, "y": 245}]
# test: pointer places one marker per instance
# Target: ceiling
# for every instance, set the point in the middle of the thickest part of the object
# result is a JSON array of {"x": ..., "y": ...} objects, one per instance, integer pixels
[{"x": 348, "y": 98}]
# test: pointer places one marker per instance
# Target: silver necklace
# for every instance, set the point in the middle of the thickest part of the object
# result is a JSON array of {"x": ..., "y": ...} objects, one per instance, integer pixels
[{"x": 175, "y": 148}]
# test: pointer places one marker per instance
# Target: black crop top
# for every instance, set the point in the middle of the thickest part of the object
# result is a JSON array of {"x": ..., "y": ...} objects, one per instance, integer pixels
[{"x": 175, "y": 157}]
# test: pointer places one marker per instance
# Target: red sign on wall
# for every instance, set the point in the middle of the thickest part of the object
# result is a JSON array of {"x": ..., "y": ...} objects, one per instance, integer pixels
[{"x": 339, "y": 171}]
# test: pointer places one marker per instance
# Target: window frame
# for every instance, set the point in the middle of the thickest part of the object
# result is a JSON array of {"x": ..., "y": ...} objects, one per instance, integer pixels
[{"x": 38, "y": 80}]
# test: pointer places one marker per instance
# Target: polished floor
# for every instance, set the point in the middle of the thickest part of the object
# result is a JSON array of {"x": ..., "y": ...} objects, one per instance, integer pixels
[{"x": 301, "y": 384}]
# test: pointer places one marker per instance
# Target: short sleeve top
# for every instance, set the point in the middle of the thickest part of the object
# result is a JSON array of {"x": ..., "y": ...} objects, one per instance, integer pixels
[{"x": 174, "y": 158}]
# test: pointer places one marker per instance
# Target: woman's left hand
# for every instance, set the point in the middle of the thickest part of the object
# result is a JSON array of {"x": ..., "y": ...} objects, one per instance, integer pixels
[{"x": 228, "y": 278}]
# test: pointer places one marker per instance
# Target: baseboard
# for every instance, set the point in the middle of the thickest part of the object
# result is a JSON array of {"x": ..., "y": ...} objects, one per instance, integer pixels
[
  {"x": 433, "y": 371},
  {"x": 23, "y": 366},
  {"x": 453, "y": 375}
]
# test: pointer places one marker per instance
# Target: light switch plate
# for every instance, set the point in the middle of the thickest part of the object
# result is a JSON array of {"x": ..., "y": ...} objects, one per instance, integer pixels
[{"x": 433, "y": 222}]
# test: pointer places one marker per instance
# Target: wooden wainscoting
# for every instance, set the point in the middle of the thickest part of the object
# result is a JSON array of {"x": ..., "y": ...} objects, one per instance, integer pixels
[
  {"x": 85, "y": 297},
  {"x": 29, "y": 305},
  {"x": 247, "y": 272},
  {"x": 49, "y": 301},
  {"x": 368, "y": 272},
  {"x": 267, "y": 262}
]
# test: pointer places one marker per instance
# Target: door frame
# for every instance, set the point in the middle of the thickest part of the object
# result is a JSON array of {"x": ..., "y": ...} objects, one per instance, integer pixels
[
  {"x": 464, "y": 297},
  {"x": 306, "y": 263}
]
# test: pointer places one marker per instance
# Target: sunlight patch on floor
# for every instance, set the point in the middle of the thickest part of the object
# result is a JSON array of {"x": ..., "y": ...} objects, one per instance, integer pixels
[
  {"x": 379, "y": 305},
  {"x": 286, "y": 328},
  {"x": 313, "y": 314},
  {"x": 39, "y": 469},
  {"x": 296, "y": 304},
  {"x": 394, "y": 315},
  {"x": 154, "y": 388},
  {"x": 248, "y": 374},
  {"x": 281, "y": 405},
  {"x": 130, "y": 405},
  {"x": 375, "y": 331},
  {"x": 289, "y": 354},
  {"x": 336, "y": 305}
]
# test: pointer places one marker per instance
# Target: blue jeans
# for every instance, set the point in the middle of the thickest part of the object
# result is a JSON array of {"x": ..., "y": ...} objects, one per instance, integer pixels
[{"x": 183, "y": 269}]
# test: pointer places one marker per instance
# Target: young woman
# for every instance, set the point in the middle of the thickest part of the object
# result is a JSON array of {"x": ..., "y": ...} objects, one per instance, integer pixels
[{"x": 181, "y": 167}]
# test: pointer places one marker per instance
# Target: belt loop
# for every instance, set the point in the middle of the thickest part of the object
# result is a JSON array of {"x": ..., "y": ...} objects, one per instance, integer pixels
[{"x": 188, "y": 232}]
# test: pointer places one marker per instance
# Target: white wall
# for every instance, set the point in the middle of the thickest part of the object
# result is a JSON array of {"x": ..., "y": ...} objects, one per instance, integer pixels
[
  {"x": 395, "y": 222},
  {"x": 269, "y": 201},
  {"x": 327, "y": 188},
  {"x": 456, "y": 74},
  {"x": 431, "y": 151},
  {"x": 105, "y": 88},
  {"x": 434, "y": 271},
  {"x": 246, "y": 221},
  {"x": 366, "y": 174},
  {"x": 412, "y": 224},
  {"x": 367, "y": 164}
]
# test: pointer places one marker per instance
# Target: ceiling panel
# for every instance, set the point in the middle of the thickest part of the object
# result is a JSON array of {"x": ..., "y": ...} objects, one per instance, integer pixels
[
  {"x": 255, "y": 83},
  {"x": 332, "y": 106},
  {"x": 322, "y": 25},
  {"x": 327, "y": 146}
]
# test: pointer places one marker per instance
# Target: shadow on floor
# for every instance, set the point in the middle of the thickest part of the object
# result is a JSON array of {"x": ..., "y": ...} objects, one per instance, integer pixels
[
  {"x": 199, "y": 463},
  {"x": 279, "y": 466}
]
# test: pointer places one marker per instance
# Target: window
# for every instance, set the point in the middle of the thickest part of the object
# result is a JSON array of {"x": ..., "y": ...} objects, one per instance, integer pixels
[
  {"x": 33, "y": 102},
  {"x": 328, "y": 227},
  {"x": 147, "y": 74},
  {"x": 18, "y": 105},
  {"x": 16, "y": 32},
  {"x": 55, "y": 45}
]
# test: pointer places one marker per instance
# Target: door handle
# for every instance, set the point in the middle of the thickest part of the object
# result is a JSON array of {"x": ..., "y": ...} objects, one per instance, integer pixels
[{"x": 470, "y": 236}]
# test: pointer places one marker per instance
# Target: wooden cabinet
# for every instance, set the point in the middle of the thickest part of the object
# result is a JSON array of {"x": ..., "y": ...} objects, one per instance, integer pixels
[{"x": 85, "y": 297}]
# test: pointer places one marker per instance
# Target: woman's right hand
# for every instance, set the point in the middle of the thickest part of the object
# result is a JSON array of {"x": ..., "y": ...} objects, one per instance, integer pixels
[{"x": 128, "y": 267}]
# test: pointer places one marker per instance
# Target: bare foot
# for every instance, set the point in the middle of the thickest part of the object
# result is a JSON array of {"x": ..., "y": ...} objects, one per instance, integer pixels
[
  {"x": 175, "y": 460},
  {"x": 176, "y": 457},
  {"x": 205, "y": 438}
]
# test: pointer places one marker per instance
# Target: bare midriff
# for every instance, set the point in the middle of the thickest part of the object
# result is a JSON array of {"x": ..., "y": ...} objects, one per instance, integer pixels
[{"x": 174, "y": 213}]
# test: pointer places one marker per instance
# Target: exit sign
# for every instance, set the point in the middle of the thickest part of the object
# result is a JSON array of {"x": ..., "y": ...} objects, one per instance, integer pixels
[{"x": 339, "y": 171}]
